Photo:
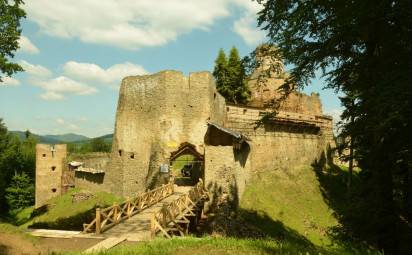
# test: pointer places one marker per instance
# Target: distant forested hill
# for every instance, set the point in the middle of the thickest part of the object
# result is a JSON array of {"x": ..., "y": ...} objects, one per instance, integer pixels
[{"x": 64, "y": 138}]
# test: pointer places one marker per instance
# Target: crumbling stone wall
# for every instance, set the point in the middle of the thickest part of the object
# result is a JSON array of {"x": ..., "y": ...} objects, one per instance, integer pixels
[
  {"x": 91, "y": 181},
  {"x": 155, "y": 114},
  {"x": 291, "y": 140},
  {"x": 49, "y": 169},
  {"x": 227, "y": 171}
]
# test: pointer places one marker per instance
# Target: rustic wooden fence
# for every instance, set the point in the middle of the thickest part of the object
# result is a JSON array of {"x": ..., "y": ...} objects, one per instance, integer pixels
[
  {"x": 173, "y": 217},
  {"x": 110, "y": 216}
]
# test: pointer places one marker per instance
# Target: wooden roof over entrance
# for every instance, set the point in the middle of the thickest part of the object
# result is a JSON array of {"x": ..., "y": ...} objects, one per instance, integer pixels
[{"x": 186, "y": 148}]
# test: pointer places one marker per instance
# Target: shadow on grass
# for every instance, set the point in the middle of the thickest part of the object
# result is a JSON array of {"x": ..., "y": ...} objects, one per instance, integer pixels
[
  {"x": 333, "y": 186},
  {"x": 225, "y": 218},
  {"x": 74, "y": 222},
  {"x": 4, "y": 250},
  {"x": 353, "y": 232}
]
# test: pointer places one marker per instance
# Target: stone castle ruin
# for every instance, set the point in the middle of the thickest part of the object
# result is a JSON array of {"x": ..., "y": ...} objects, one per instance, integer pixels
[{"x": 162, "y": 116}]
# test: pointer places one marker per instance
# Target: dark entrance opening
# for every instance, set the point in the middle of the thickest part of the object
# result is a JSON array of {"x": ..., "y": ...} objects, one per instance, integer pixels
[{"x": 186, "y": 165}]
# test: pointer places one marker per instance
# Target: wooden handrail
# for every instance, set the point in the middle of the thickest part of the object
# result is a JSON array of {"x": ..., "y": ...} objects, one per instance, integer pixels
[
  {"x": 112, "y": 215},
  {"x": 176, "y": 212}
]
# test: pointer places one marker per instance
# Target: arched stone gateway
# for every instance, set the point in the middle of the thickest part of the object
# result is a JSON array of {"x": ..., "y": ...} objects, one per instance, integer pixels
[{"x": 186, "y": 165}]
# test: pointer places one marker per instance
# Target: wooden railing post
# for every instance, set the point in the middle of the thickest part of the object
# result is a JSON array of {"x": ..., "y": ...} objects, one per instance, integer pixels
[
  {"x": 115, "y": 212},
  {"x": 153, "y": 226},
  {"x": 98, "y": 221},
  {"x": 128, "y": 208}
]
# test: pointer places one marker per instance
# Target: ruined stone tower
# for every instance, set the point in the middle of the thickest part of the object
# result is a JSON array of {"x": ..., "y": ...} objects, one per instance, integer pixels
[
  {"x": 49, "y": 169},
  {"x": 155, "y": 115}
]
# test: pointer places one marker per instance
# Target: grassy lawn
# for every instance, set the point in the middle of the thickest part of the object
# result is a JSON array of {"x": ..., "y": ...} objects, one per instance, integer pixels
[
  {"x": 62, "y": 213},
  {"x": 298, "y": 205},
  {"x": 219, "y": 246},
  {"x": 6, "y": 228},
  {"x": 293, "y": 198},
  {"x": 179, "y": 163}
]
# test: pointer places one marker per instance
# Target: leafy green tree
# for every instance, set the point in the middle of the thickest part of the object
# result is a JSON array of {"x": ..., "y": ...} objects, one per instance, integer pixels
[
  {"x": 10, "y": 15},
  {"x": 20, "y": 193},
  {"x": 230, "y": 77},
  {"x": 363, "y": 48}
]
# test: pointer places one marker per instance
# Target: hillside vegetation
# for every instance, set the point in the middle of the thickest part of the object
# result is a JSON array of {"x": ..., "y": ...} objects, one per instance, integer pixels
[
  {"x": 300, "y": 205},
  {"x": 292, "y": 197},
  {"x": 222, "y": 246},
  {"x": 62, "y": 213}
]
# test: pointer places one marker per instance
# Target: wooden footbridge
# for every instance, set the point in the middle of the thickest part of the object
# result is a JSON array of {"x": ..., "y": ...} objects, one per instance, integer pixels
[{"x": 165, "y": 211}]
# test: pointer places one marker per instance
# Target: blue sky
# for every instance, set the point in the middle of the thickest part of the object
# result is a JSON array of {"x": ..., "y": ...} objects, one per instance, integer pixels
[{"x": 76, "y": 55}]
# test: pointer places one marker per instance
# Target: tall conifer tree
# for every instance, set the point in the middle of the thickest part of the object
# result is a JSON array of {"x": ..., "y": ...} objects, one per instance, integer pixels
[
  {"x": 220, "y": 73},
  {"x": 230, "y": 77}
]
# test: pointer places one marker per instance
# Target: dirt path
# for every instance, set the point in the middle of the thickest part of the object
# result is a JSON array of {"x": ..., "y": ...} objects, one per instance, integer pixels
[{"x": 12, "y": 244}]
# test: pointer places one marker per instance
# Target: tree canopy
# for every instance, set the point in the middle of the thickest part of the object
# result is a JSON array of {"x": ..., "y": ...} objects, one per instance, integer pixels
[
  {"x": 11, "y": 14},
  {"x": 17, "y": 160},
  {"x": 363, "y": 49}
]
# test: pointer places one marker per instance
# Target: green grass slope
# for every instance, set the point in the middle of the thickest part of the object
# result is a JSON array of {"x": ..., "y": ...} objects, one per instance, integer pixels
[
  {"x": 297, "y": 205},
  {"x": 220, "y": 246},
  {"x": 62, "y": 213},
  {"x": 293, "y": 198}
]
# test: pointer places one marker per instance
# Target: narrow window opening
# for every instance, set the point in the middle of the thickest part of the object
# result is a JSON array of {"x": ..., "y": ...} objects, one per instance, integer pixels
[
  {"x": 120, "y": 153},
  {"x": 132, "y": 156},
  {"x": 214, "y": 95},
  {"x": 53, "y": 168},
  {"x": 44, "y": 155},
  {"x": 53, "y": 151},
  {"x": 54, "y": 190}
]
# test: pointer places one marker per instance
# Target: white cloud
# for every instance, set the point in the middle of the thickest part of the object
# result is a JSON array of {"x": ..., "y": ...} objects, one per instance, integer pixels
[
  {"x": 35, "y": 70},
  {"x": 129, "y": 24},
  {"x": 94, "y": 73},
  {"x": 73, "y": 126},
  {"x": 57, "y": 87},
  {"x": 246, "y": 28},
  {"x": 67, "y": 124},
  {"x": 27, "y": 46},
  {"x": 60, "y": 121},
  {"x": 9, "y": 81}
]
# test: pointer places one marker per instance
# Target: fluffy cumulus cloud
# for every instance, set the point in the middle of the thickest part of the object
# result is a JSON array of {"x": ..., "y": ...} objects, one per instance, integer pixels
[
  {"x": 77, "y": 78},
  {"x": 93, "y": 73},
  {"x": 246, "y": 26},
  {"x": 35, "y": 70},
  {"x": 133, "y": 24},
  {"x": 26, "y": 46},
  {"x": 9, "y": 81},
  {"x": 56, "y": 88}
]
